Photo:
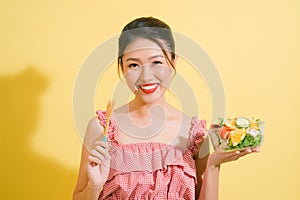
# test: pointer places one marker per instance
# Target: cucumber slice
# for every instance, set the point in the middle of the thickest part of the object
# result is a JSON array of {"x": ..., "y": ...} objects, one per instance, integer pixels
[{"x": 242, "y": 122}]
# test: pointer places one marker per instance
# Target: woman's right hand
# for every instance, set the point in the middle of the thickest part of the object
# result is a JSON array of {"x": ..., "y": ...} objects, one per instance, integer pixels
[{"x": 99, "y": 164}]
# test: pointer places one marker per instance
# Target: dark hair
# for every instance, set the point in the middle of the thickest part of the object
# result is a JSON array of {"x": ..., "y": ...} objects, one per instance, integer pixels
[{"x": 148, "y": 28}]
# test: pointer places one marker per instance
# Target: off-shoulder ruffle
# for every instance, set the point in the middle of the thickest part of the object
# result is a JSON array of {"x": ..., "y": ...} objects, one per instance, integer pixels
[
  {"x": 197, "y": 133},
  {"x": 150, "y": 157}
]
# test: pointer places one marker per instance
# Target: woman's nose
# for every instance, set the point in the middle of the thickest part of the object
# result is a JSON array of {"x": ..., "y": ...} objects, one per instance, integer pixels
[{"x": 147, "y": 73}]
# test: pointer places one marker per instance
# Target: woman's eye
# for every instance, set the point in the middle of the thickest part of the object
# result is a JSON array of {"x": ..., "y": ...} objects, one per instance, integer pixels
[
  {"x": 133, "y": 65},
  {"x": 157, "y": 62}
]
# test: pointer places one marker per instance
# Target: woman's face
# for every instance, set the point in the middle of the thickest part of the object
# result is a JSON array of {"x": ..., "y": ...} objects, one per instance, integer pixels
[{"x": 146, "y": 69}]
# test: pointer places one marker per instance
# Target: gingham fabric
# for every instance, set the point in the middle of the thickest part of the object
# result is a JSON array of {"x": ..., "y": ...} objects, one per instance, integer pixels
[{"x": 151, "y": 170}]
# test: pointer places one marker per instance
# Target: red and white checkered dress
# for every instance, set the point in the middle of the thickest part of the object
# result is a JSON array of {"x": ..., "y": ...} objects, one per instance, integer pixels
[{"x": 151, "y": 170}]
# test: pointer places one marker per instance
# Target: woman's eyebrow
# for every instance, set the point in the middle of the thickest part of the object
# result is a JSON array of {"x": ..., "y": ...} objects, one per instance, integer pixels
[
  {"x": 151, "y": 57},
  {"x": 156, "y": 56},
  {"x": 133, "y": 59}
]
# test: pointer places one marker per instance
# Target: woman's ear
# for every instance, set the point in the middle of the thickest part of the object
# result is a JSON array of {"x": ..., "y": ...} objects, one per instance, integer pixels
[
  {"x": 120, "y": 67},
  {"x": 173, "y": 63},
  {"x": 174, "y": 60}
]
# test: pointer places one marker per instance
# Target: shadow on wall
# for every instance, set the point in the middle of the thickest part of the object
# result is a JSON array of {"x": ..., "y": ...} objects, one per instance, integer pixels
[{"x": 25, "y": 175}]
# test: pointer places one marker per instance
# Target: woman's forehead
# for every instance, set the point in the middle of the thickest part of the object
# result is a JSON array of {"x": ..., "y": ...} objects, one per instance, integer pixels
[{"x": 142, "y": 46}]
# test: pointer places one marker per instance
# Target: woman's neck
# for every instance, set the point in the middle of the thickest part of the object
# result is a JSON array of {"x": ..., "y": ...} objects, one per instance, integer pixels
[{"x": 141, "y": 109}]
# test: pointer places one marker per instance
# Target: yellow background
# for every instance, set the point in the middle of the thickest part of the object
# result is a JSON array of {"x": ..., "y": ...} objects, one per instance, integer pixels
[{"x": 254, "y": 44}]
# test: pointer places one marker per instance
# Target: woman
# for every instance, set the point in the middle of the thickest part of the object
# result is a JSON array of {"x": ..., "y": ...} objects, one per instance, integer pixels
[{"x": 153, "y": 149}]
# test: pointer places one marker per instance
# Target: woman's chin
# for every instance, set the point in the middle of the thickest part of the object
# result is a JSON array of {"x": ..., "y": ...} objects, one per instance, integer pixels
[{"x": 152, "y": 98}]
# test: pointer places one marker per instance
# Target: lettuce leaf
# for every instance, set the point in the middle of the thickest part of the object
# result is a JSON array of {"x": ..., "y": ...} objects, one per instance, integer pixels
[{"x": 248, "y": 141}]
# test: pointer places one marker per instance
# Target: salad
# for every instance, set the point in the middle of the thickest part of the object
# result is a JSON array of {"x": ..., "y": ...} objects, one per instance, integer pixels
[{"x": 237, "y": 133}]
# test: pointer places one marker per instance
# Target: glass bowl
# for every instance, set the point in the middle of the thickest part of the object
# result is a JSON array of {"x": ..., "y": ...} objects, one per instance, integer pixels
[{"x": 236, "y": 133}]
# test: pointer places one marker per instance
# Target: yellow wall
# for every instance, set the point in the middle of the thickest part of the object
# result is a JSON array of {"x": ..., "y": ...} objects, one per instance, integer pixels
[{"x": 254, "y": 45}]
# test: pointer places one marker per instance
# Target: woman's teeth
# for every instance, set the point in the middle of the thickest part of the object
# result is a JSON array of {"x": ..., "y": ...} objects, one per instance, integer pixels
[{"x": 148, "y": 87}]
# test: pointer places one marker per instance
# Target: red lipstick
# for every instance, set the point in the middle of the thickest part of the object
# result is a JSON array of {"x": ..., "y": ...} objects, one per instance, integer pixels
[{"x": 149, "y": 88}]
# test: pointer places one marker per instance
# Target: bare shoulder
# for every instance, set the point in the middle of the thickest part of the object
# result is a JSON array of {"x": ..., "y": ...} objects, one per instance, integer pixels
[
  {"x": 94, "y": 132},
  {"x": 186, "y": 119}
]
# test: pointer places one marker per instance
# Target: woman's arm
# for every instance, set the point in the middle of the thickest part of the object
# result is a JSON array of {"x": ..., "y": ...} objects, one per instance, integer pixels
[
  {"x": 210, "y": 183},
  {"x": 201, "y": 162},
  {"x": 94, "y": 164}
]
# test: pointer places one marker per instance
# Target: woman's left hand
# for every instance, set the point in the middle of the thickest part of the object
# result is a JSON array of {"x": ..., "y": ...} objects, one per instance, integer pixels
[{"x": 217, "y": 157}]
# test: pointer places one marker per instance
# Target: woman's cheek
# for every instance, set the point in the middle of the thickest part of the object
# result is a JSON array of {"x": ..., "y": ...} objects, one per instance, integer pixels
[
  {"x": 164, "y": 75},
  {"x": 131, "y": 78}
]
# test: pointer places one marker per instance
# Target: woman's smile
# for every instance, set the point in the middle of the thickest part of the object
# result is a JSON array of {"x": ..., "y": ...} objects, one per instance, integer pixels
[{"x": 149, "y": 88}]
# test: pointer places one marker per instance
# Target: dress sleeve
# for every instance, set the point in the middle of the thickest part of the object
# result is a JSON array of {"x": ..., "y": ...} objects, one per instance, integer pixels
[{"x": 197, "y": 133}]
